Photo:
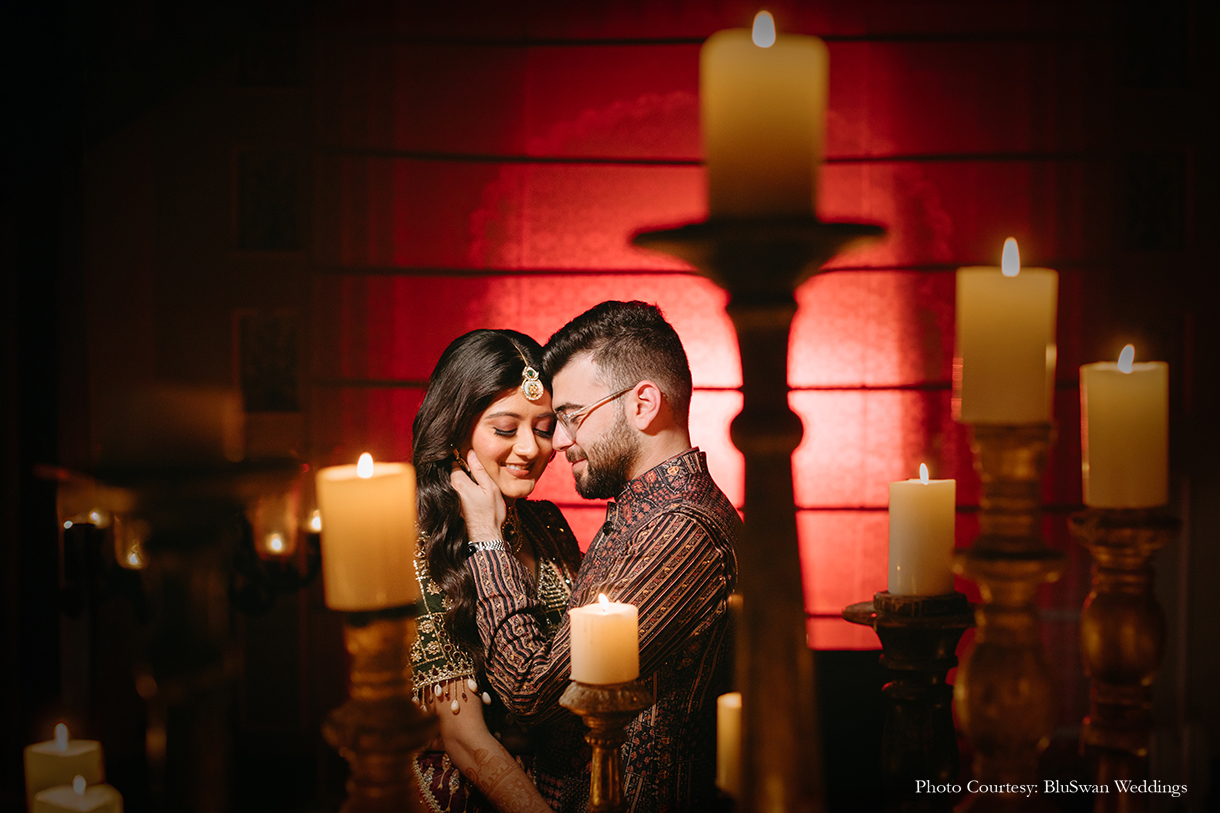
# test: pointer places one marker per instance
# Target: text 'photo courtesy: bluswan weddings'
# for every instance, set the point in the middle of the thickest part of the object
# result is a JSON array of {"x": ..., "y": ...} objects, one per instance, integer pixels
[{"x": 1049, "y": 786}]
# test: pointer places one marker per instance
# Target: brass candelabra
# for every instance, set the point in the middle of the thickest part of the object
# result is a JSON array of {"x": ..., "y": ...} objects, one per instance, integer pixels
[
  {"x": 379, "y": 729},
  {"x": 1122, "y": 641},
  {"x": 1004, "y": 690},
  {"x": 606, "y": 710},
  {"x": 919, "y": 636},
  {"x": 760, "y": 262}
]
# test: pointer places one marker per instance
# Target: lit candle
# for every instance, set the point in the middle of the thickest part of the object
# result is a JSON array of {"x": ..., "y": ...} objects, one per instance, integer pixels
[
  {"x": 79, "y": 797},
  {"x": 728, "y": 743},
  {"x": 275, "y": 524},
  {"x": 1124, "y": 432},
  {"x": 921, "y": 536},
  {"x": 763, "y": 111},
  {"x": 129, "y": 535},
  {"x": 368, "y": 535},
  {"x": 58, "y": 761},
  {"x": 605, "y": 642},
  {"x": 1004, "y": 370}
]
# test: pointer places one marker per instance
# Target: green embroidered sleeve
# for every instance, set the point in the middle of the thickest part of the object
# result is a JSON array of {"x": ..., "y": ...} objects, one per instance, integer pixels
[{"x": 435, "y": 656}]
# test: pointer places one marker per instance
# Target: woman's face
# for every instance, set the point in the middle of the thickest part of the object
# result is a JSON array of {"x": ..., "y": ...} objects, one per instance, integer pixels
[{"x": 512, "y": 439}]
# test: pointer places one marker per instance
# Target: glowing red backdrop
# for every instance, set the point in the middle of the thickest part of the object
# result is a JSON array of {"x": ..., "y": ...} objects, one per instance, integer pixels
[{"x": 489, "y": 172}]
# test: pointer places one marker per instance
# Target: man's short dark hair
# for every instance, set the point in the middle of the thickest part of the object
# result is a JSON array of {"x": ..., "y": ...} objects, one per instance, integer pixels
[{"x": 629, "y": 342}]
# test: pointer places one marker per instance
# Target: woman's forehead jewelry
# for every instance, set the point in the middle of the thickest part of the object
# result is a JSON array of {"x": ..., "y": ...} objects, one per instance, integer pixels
[{"x": 531, "y": 387}]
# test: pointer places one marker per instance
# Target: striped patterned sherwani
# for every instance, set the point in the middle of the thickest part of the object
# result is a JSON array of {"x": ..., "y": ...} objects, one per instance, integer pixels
[{"x": 666, "y": 547}]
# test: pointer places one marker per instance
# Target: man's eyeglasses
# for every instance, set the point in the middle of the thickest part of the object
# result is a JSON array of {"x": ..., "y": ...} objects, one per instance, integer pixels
[{"x": 571, "y": 421}]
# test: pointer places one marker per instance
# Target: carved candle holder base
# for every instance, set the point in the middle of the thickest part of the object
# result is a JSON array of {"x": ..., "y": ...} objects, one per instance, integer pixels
[
  {"x": 919, "y": 636},
  {"x": 379, "y": 728},
  {"x": 1122, "y": 638},
  {"x": 760, "y": 262},
  {"x": 606, "y": 710},
  {"x": 1005, "y": 692}
]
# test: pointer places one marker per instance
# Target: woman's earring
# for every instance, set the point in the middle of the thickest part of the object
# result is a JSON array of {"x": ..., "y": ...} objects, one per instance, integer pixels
[{"x": 462, "y": 464}]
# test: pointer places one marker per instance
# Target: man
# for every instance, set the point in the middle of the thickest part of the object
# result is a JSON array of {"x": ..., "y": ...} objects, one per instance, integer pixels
[{"x": 622, "y": 389}]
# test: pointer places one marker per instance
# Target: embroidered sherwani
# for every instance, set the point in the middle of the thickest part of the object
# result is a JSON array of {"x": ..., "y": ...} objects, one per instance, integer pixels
[
  {"x": 666, "y": 547},
  {"x": 438, "y": 660}
]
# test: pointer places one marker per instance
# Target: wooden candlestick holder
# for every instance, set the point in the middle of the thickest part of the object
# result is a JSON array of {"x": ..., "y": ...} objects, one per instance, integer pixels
[
  {"x": 1122, "y": 641},
  {"x": 760, "y": 262},
  {"x": 919, "y": 636},
  {"x": 379, "y": 729},
  {"x": 1004, "y": 692},
  {"x": 606, "y": 710}
]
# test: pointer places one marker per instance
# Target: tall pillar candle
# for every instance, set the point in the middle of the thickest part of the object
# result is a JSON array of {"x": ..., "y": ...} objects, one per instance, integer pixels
[
  {"x": 368, "y": 535},
  {"x": 59, "y": 761},
  {"x": 1124, "y": 433},
  {"x": 1004, "y": 370},
  {"x": 728, "y": 743},
  {"x": 605, "y": 645},
  {"x": 763, "y": 113},
  {"x": 921, "y": 536}
]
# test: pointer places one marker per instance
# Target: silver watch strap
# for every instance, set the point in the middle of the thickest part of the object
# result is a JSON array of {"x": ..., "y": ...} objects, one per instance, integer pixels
[{"x": 486, "y": 544}]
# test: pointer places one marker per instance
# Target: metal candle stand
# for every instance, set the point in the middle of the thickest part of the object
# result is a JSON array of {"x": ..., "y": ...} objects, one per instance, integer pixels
[
  {"x": 379, "y": 729},
  {"x": 1122, "y": 641},
  {"x": 919, "y": 636},
  {"x": 760, "y": 262},
  {"x": 606, "y": 710},
  {"x": 1004, "y": 691}
]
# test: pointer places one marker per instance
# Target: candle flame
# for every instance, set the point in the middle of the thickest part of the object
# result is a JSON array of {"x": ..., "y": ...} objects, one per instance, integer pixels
[
  {"x": 135, "y": 555},
  {"x": 923, "y": 473},
  {"x": 61, "y": 737},
  {"x": 764, "y": 29},
  {"x": 364, "y": 466},
  {"x": 78, "y": 785},
  {"x": 1126, "y": 358},
  {"x": 315, "y": 521},
  {"x": 275, "y": 543},
  {"x": 604, "y": 602},
  {"x": 1010, "y": 262}
]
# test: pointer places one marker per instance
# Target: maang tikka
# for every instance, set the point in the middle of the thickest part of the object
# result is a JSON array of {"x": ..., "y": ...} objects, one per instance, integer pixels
[{"x": 531, "y": 387}]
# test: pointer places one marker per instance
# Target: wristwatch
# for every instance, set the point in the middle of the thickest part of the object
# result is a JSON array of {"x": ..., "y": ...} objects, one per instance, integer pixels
[{"x": 486, "y": 544}]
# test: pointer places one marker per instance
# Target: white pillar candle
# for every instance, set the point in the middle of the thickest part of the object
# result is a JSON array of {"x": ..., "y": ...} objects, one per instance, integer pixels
[
  {"x": 605, "y": 642},
  {"x": 763, "y": 112},
  {"x": 368, "y": 535},
  {"x": 58, "y": 761},
  {"x": 1004, "y": 370},
  {"x": 728, "y": 743},
  {"x": 78, "y": 797},
  {"x": 921, "y": 536},
  {"x": 1124, "y": 433}
]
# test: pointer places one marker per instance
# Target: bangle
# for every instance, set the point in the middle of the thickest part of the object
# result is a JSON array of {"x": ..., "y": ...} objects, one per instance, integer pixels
[{"x": 486, "y": 544}]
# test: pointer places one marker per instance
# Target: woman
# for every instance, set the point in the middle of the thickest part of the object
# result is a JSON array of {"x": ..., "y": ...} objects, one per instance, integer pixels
[{"x": 485, "y": 395}]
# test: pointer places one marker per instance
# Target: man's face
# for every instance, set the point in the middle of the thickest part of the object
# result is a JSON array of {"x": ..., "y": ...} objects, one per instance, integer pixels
[{"x": 602, "y": 447}]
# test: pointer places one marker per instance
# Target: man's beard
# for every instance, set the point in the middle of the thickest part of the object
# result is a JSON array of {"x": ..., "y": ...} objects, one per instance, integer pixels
[{"x": 610, "y": 461}]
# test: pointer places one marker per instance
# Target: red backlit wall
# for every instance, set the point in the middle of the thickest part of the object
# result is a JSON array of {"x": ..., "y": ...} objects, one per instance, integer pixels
[{"x": 488, "y": 171}]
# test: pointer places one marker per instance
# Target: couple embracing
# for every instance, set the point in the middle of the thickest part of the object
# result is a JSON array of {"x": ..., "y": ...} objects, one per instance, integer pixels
[{"x": 497, "y": 571}]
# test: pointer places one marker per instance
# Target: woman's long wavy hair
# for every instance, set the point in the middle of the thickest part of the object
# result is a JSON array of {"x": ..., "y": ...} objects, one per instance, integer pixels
[{"x": 475, "y": 370}]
